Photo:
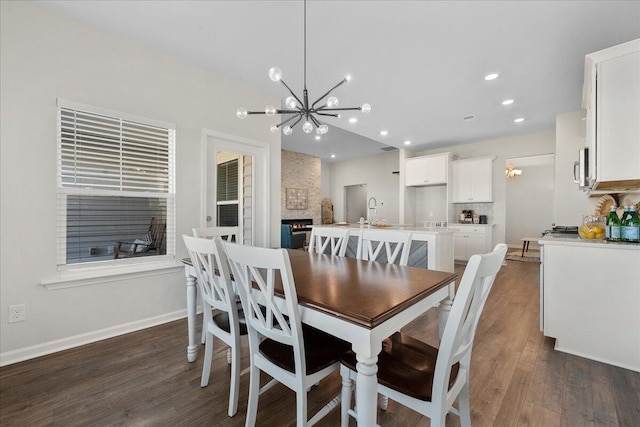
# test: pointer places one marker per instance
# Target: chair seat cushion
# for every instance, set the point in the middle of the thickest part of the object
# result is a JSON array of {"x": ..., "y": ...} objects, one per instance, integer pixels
[
  {"x": 222, "y": 320},
  {"x": 406, "y": 365},
  {"x": 321, "y": 350}
]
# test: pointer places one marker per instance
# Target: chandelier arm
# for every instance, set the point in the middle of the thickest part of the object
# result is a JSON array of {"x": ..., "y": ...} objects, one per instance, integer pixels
[
  {"x": 297, "y": 121},
  {"x": 288, "y": 111},
  {"x": 255, "y": 112},
  {"x": 291, "y": 92},
  {"x": 315, "y": 121},
  {"x": 328, "y": 92},
  {"x": 328, "y": 114},
  {"x": 343, "y": 109},
  {"x": 286, "y": 121}
]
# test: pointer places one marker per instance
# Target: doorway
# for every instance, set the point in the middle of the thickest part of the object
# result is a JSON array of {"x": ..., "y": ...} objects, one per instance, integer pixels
[
  {"x": 529, "y": 198},
  {"x": 355, "y": 202}
]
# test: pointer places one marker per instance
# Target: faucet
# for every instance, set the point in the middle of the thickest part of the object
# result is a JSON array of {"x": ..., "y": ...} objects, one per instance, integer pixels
[{"x": 374, "y": 207}]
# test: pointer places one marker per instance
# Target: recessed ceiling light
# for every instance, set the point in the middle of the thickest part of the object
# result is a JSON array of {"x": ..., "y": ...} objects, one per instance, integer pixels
[
  {"x": 407, "y": 142},
  {"x": 384, "y": 132},
  {"x": 491, "y": 76},
  {"x": 507, "y": 102},
  {"x": 333, "y": 156},
  {"x": 353, "y": 120},
  {"x": 317, "y": 137},
  {"x": 519, "y": 120}
]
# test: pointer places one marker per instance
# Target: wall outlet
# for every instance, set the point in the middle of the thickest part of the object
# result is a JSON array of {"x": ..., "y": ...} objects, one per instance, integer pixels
[{"x": 17, "y": 313}]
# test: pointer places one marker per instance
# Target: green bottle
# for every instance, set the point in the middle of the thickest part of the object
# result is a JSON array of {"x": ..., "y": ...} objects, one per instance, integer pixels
[
  {"x": 630, "y": 226},
  {"x": 613, "y": 226}
]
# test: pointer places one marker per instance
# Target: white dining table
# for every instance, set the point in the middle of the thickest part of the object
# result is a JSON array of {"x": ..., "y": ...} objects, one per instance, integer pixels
[{"x": 361, "y": 302}]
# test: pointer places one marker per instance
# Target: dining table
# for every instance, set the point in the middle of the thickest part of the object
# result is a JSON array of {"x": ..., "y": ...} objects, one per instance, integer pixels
[{"x": 361, "y": 302}]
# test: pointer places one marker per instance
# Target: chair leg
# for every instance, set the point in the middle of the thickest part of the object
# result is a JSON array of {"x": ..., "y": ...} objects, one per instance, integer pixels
[
  {"x": 254, "y": 394},
  {"x": 463, "y": 406},
  {"x": 347, "y": 389},
  {"x": 301, "y": 408},
  {"x": 204, "y": 329},
  {"x": 384, "y": 402},
  {"x": 234, "y": 389},
  {"x": 206, "y": 364}
]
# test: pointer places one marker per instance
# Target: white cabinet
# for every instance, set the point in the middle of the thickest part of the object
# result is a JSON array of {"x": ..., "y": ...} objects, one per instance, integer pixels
[
  {"x": 470, "y": 240},
  {"x": 427, "y": 170},
  {"x": 590, "y": 298},
  {"x": 612, "y": 85},
  {"x": 472, "y": 180}
]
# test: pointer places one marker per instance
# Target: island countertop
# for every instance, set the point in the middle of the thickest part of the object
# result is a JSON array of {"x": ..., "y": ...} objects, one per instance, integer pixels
[{"x": 395, "y": 227}]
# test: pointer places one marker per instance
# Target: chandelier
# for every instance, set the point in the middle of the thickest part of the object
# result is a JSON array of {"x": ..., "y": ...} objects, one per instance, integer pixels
[
  {"x": 299, "y": 108},
  {"x": 512, "y": 172}
]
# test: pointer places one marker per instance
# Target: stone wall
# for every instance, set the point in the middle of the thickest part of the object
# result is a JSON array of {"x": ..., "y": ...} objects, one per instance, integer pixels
[{"x": 300, "y": 172}]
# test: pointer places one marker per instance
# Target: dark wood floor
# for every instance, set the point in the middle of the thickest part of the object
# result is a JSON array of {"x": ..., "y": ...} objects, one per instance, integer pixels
[{"x": 143, "y": 378}]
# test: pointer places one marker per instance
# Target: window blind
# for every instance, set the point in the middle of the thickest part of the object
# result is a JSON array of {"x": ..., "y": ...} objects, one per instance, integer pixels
[{"x": 115, "y": 173}]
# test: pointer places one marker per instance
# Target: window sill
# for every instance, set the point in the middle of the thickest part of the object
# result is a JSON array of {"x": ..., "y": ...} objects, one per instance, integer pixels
[{"x": 95, "y": 276}]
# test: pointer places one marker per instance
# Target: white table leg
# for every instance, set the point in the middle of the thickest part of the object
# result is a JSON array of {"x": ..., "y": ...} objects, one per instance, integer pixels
[
  {"x": 192, "y": 348},
  {"x": 367, "y": 390}
]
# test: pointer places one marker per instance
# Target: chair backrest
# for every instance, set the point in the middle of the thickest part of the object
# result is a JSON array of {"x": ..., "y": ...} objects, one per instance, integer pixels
[
  {"x": 256, "y": 271},
  {"x": 213, "y": 275},
  {"x": 459, "y": 332},
  {"x": 396, "y": 245},
  {"x": 229, "y": 234},
  {"x": 155, "y": 234},
  {"x": 334, "y": 237}
]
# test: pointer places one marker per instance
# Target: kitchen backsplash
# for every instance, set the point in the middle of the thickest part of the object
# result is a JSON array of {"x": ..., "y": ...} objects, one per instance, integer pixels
[{"x": 477, "y": 208}]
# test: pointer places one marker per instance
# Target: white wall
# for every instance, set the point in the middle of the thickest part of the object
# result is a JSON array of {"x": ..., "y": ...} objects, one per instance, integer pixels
[
  {"x": 377, "y": 173},
  {"x": 502, "y": 148},
  {"x": 45, "y": 56},
  {"x": 325, "y": 179}
]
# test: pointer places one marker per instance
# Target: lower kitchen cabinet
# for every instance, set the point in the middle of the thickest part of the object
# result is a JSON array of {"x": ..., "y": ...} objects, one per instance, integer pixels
[{"x": 471, "y": 239}]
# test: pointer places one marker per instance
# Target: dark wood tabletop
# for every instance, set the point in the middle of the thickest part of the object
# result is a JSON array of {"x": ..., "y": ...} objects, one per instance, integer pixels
[{"x": 362, "y": 292}]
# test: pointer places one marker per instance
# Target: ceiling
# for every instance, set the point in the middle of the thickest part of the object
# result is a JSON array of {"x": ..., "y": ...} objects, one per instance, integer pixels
[{"x": 420, "y": 64}]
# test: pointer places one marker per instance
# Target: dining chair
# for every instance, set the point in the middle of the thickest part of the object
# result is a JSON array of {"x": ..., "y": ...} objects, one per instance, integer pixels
[
  {"x": 295, "y": 355},
  {"x": 396, "y": 245},
  {"x": 226, "y": 233},
  {"x": 335, "y": 239},
  {"x": 428, "y": 379},
  {"x": 229, "y": 234},
  {"x": 214, "y": 282}
]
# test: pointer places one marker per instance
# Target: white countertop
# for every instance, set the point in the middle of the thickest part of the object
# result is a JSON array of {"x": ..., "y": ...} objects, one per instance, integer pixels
[
  {"x": 575, "y": 240},
  {"x": 396, "y": 227}
]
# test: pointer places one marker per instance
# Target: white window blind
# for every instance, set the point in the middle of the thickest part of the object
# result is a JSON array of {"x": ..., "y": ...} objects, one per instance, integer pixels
[{"x": 115, "y": 173}]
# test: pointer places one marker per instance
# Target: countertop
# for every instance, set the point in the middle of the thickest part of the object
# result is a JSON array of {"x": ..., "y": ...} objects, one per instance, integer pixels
[
  {"x": 575, "y": 240},
  {"x": 395, "y": 227}
]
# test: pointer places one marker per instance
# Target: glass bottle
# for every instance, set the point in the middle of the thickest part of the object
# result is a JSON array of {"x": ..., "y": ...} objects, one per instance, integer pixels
[
  {"x": 630, "y": 229},
  {"x": 613, "y": 226}
]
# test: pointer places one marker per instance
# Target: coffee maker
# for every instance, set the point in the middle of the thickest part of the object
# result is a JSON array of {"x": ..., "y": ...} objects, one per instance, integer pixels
[{"x": 466, "y": 216}]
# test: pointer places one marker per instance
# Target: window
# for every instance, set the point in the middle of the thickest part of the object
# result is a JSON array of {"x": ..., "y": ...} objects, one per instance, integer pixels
[
  {"x": 227, "y": 193},
  {"x": 115, "y": 174}
]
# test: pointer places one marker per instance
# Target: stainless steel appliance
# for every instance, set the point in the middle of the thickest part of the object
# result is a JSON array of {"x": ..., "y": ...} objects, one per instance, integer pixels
[{"x": 581, "y": 170}]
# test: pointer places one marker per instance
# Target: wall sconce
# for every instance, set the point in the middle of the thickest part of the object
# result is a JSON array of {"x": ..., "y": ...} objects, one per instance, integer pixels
[{"x": 512, "y": 172}]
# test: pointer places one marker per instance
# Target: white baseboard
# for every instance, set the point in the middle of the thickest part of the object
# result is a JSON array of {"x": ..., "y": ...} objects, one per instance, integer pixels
[{"x": 26, "y": 353}]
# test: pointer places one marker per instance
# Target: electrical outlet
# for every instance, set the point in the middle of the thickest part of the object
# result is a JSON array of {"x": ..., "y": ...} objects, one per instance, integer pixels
[{"x": 17, "y": 313}]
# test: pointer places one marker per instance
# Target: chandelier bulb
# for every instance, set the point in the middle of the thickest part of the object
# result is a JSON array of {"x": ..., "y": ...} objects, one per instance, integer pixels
[
  {"x": 332, "y": 102},
  {"x": 366, "y": 108},
  {"x": 275, "y": 74},
  {"x": 287, "y": 130},
  {"x": 322, "y": 129},
  {"x": 347, "y": 78},
  {"x": 241, "y": 113},
  {"x": 290, "y": 102},
  {"x": 307, "y": 127},
  {"x": 269, "y": 110},
  {"x": 274, "y": 128}
]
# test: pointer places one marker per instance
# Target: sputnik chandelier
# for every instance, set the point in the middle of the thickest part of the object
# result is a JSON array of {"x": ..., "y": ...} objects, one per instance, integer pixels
[{"x": 300, "y": 108}]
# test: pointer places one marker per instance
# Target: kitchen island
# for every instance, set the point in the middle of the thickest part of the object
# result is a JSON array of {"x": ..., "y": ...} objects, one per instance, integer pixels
[
  {"x": 590, "y": 298},
  {"x": 431, "y": 248}
]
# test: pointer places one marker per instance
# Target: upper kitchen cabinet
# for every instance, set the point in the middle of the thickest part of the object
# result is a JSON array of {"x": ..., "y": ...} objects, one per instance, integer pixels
[
  {"x": 611, "y": 97},
  {"x": 427, "y": 170},
  {"x": 472, "y": 180}
]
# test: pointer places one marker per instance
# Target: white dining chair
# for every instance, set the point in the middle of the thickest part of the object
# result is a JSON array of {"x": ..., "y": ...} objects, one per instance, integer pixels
[
  {"x": 333, "y": 238},
  {"x": 428, "y": 379},
  {"x": 214, "y": 282},
  {"x": 396, "y": 246},
  {"x": 296, "y": 355},
  {"x": 228, "y": 234}
]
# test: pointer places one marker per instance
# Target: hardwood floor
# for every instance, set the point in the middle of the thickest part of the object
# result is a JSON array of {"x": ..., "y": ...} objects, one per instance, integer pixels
[{"x": 143, "y": 378}]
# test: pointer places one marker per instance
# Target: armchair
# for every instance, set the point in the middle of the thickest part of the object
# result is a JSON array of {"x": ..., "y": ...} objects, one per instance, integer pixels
[{"x": 289, "y": 239}]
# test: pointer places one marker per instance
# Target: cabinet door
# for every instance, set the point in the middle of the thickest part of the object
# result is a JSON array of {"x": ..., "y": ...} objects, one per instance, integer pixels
[
  {"x": 618, "y": 112},
  {"x": 461, "y": 192},
  {"x": 480, "y": 180},
  {"x": 460, "y": 246},
  {"x": 415, "y": 171},
  {"x": 475, "y": 244},
  {"x": 436, "y": 170}
]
